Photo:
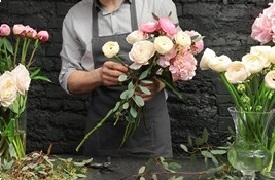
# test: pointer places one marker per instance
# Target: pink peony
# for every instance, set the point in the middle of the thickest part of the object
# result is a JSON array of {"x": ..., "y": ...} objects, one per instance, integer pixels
[
  {"x": 184, "y": 66},
  {"x": 4, "y": 30},
  {"x": 43, "y": 36},
  {"x": 167, "y": 26},
  {"x": 18, "y": 29}
]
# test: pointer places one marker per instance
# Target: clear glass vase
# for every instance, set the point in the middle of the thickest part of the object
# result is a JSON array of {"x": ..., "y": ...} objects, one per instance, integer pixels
[
  {"x": 249, "y": 152},
  {"x": 13, "y": 144}
]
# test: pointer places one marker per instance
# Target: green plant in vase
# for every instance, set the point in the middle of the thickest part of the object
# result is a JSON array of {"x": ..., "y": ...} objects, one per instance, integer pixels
[{"x": 16, "y": 73}]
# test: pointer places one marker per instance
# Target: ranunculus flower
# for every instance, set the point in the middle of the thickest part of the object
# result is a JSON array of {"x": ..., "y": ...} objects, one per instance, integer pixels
[
  {"x": 7, "y": 89},
  {"x": 253, "y": 63},
  {"x": 149, "y": 27},
  {"x": 135, "y": 36},
  {"x": 22, "y": 78},
  {"x": 236, "y": 72},
  {"x": 110, "y": 49},
  {"x": 183, "y": 39},
  {"x": 4, "y": 30},
  {"x": 270, "y": 79},
  {"x": 18, "y": 29},
  {"x": 141, "y": 52},
  {"x": 208, "y": 54},
  {"x": 199, "y": 45},
  {"x": 261, "y": 51},
  {"x": 163, "y": 44},
  {"x": 43, "y": 36},
  {"x": 219, "y": 64},
  {"x": 271, "y": 55},
  {"x": 167, "y": 26}
]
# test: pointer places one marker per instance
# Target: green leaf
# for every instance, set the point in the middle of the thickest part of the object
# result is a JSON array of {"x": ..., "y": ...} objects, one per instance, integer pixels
[
  {"x": 144, "y": 74},
  {"x": 124, "y": 95},
  {"x": 144, "y": 89},
  {"x": 184, "y": 147},
  {"x": 125, "y": 105},
  {"x": 205, "y": 135},
  {"x": 122, "y": 77},
  {"x": 199, "y": 141},
  {"x": 174, "y": 166},
  {"x": 138, "y": 100},
  {"x": 133, "y": 112},
  {"x": 189, "y": 141},
  {"x": 218, "y": 151}
]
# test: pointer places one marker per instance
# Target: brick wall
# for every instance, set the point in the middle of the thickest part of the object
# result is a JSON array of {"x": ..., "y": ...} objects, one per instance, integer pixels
[{"x": 55, "y": 117}]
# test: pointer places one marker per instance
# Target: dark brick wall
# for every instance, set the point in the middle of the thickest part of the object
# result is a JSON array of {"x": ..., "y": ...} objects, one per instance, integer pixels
[{"x": 55, "y": 117}]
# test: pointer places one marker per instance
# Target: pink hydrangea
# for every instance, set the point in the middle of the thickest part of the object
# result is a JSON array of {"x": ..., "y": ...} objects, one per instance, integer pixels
[{"x": 184, "y": 66}]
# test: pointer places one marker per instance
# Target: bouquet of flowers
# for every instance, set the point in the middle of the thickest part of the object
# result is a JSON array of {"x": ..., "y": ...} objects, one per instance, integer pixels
[
  {"x": 16, "y": 72},
  {"x": 160, "y": 51}
]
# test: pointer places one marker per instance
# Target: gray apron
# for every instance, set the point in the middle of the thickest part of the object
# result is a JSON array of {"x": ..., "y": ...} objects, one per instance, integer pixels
[{"x": 154, "y": 139}]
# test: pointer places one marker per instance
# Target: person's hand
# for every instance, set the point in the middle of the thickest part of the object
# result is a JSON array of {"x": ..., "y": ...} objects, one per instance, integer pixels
[
  {"x": 110, "y": 71},
  {"x": 154, "y": 87}
]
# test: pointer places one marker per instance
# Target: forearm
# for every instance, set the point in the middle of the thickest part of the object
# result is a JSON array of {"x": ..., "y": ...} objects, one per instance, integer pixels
[{"x": 83, "y": 82}]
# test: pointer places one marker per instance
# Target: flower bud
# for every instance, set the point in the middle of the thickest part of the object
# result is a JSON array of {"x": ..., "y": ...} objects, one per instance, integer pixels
[{"x": 241, "y": 88}]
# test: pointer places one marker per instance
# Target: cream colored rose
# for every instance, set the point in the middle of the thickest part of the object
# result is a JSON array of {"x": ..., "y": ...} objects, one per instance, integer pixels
[
  {"x": 183, "y": 39},
  {"x": 270, "y": 79},
  {"x": 271, "y": 55},
  {"x": 236, "y": 72},
  {"x": 135, "y": 36},
  {"x": 163, "y": 44},
  {"x": 7, "y": 89},
  {"x": 141, "y": 52},
  {"x": 22, "y": 78},
  {"x": 262, "y": 51},
  {"x": 219, "y": 64},
  {"x": 253, "y": 63},
  {"x": 110, "y": 49},
  {"x": 208, "y": 54}
]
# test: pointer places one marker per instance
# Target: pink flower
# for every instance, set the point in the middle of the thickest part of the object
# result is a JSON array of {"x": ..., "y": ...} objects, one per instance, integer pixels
[
  {"x": 149, "y": 27},
  {"x": 18, "y": 29},
  {"x": 167, "y": 26},
  {"x": 43, "y": 36},
  {"x": 184, "y": 66},
  {"x": 30, "y": 32},
  {"x": 4, "y": 30},
  {"x": 198, "y": 46},
  {"x": 164, "y": 61}
]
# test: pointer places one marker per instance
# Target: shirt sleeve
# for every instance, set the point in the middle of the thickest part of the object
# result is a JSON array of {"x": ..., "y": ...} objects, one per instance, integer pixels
[{"x": 71, "y": 52}]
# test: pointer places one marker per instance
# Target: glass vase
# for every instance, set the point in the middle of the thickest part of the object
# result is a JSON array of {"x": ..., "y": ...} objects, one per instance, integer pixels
[
  {"x": 249, "y": 152},
  {"x": 13, "y": 144}
]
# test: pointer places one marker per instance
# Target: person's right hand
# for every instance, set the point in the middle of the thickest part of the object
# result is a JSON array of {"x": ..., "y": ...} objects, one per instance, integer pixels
[{"x": 110, "y": 71}]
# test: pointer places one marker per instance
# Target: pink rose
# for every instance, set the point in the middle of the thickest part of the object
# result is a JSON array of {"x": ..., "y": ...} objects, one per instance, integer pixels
[
  {"x": 18, "y": 29},
  {"x": 149, "y": 27},
  {"x": 43, "y": 36},
  {"x": 4, "y": 30},
  {"x": 168, "y": 26}
]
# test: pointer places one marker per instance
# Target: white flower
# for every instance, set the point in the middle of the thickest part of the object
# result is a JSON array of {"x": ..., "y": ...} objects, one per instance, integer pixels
[
  {"x": 7, "y": 89},
  {"x": 208, "y": 54},
  {"x": 183, "y": 39},
  {"x": 262, "y": 51},
  {"x": 270, "y": 79},
  {"x": 22, "y": 78},
  {"x": 110, "y": 49},
  {"x": 219, "y": 64},
  {"x": 135, "y": 36},
  {"x": 163, "y": 44},
  {"x": 271, "y": 55},
  {"x": 141, "y": 53},
  {"x": 253, "y": 63},
  {"x": 236, "y": 72}
]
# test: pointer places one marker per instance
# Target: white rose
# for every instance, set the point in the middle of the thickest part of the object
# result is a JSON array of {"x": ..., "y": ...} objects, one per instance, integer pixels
[
  {"x": 262, "y": 51},
  {"x": 163, "y": 44},
  {"x": 253, "y": 63},
  {"x": 141, "y": 53},
  {"x": 183, "y": 39},
  {"x": 236, "y": 72},
  {"x": 270, "y": 79},
  {"x": 7, "y": 89},
  {"x": 110, "y": 49},
  {"x": 22, "y": 78},
  {"x": 208, "y": 54},
  {"x": 219, "y": 64},
  {"x": 271, "y": 55},
  {"x": 135, "y": 36}
]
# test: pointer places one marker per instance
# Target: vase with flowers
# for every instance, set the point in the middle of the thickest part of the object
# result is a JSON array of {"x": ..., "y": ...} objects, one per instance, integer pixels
[
  {"x": 251, "y": 84},
  {"x": 160, "y": 51},
  {"x": 17, "y": 49}
]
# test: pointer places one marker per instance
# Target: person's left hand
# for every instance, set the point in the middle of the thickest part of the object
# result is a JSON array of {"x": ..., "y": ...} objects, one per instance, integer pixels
[{"x": 154, "y": 87}]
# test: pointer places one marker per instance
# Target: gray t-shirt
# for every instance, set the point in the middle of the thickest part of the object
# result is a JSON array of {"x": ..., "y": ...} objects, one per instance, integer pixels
[{"x": 76, "y": 53}]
